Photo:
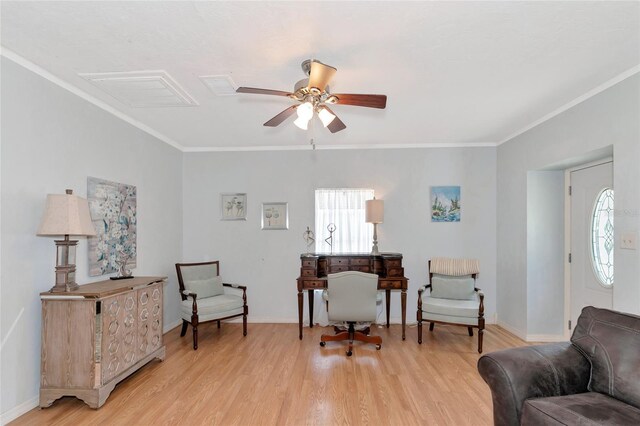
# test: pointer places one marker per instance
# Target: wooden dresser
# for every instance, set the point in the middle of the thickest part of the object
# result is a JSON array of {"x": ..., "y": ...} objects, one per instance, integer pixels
[
  {"x": 96, "y": 336},
  {"x": 315, "y": 267}
]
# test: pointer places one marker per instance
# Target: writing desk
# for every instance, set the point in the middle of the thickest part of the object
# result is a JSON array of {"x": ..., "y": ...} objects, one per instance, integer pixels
[{"x": 316, "y": 266}]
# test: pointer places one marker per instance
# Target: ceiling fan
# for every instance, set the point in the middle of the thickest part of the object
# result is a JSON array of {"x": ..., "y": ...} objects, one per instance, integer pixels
[{"x": 313, "y": 95}]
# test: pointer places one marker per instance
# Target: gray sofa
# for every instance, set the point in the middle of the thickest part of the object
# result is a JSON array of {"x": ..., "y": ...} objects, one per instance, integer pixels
[{"x": 594, "y": 379}]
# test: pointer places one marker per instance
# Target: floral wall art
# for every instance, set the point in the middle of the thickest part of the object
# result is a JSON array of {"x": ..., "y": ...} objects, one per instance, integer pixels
[
  {"x": 445, "y": 204},
  {"x": 114, "y": 215}
]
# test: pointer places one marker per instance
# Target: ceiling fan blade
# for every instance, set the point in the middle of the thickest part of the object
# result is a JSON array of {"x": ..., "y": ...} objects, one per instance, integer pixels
[
  {"x": 262, "y": 91},
  {"x": 275, "y": 121},
  {"x": 370, "y": 101},
  {"x": 320, "y": 75},
  {"x": 336, "y": 125}
]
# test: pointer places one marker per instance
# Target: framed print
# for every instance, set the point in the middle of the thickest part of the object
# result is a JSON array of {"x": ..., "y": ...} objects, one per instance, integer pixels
[
  {"x": 445, "y": 204},
  {"x": 275, "y": 216},
  {"x": 233, "y": 206}
]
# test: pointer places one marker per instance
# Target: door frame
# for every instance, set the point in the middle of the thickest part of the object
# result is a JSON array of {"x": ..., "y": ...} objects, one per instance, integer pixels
[{"x": 567, "y": 239}]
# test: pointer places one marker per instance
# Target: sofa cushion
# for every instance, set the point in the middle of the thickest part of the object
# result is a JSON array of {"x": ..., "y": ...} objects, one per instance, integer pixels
[
  {"x": 611, "y": 342},
  {"x": 589, "y": 408},
  {"x": 447, "y": 287}
]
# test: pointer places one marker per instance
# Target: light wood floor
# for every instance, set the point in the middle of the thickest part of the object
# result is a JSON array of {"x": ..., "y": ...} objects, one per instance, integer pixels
[{"x": 270, "y": 377}]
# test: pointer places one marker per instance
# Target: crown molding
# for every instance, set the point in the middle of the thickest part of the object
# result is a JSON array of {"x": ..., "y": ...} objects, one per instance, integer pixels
[
  {"x": 309, "y": 147},
  {"x": 25, "y": 63},
  {"x": 591, "y": 93}
]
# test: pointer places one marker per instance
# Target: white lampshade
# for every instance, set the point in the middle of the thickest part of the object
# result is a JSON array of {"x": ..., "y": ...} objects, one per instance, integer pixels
[
  {"x": 374, "y": 211},
  {"x": 305, "y": 111},
  {"x": 302, "y": 123},
  {"x": 66, "y": 214},
  {"x": 325, "y": 116}
]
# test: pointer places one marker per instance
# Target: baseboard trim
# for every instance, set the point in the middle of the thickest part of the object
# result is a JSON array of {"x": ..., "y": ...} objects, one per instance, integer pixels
[
  {"x": 171, "y": 326},
  {"x": 512, "y": 330},
  {"x": 15, "y": 412}
]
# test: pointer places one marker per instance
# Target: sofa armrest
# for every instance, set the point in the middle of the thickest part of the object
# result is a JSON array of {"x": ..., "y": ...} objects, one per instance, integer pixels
[{"x": 532, "y": 372}]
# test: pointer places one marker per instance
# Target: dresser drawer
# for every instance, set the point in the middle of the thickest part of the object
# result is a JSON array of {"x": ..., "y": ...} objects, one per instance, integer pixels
[
  {"x": 308, "y": 272},
  {"x": 360, "y": 262},
  {"x": 310, "y": 284},
  {"x": 338, "y": 261}
]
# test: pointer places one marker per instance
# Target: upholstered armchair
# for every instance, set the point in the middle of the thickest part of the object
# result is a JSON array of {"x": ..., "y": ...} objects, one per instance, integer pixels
[
  {"x": 452, "y": 297},
  {"x": 352, "y": 297},
  {"x": 206, "y": 298}
]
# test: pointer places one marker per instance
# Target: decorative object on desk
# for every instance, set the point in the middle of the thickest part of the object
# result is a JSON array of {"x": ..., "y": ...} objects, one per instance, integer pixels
[
  {"x": 114, "y": 214},
  {"x": 445, "y": 204},
  {"x": 309, "y": 239},
  {"x": 233, "y": 206},
  {"x": 331, "y": 228},
  {"x": 275, "y": 216},
  {"x": 374, "y": 213},
  {"x": 66, "y": 214}
]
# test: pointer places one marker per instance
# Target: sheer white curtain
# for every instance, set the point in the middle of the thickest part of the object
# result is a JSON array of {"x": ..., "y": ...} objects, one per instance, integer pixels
[{"x": 343, "y": 207}]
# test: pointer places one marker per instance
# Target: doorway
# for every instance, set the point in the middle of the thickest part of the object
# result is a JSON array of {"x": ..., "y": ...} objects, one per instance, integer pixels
[{"x": 591, "y": 239}]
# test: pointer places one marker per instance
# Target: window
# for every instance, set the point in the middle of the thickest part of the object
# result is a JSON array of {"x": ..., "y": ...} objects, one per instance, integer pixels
[
  {"x": 602, "y": 237},
  {"x": 345, "y": 208}
]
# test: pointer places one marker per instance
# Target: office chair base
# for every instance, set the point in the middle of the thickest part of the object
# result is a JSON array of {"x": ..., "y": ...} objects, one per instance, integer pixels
[{"x": 351, "y": 334}]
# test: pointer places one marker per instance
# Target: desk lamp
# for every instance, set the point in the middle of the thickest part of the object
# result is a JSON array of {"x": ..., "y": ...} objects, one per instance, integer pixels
[
  {"x": 374, "y": 212},
  {"x": 66, "y": 214}
]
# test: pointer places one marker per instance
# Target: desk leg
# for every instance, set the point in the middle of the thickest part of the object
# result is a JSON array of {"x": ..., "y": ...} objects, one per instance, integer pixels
[
  {"x": 403, "y": 299},
  {"x": 311, "y": 294},
  {"x": 388, "y": 303},
  {"x": 300, "y": 306}
]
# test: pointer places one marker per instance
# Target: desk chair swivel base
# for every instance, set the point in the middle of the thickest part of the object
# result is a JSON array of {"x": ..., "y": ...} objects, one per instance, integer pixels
[{"x": 351, "y": 334}]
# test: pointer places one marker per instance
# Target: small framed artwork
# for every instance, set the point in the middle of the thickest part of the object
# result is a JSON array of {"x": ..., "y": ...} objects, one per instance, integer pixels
[
  {"x": 445, "y": 204},
  {"x": 233, "y": 206},
  {"x": 275, "y": 216}
]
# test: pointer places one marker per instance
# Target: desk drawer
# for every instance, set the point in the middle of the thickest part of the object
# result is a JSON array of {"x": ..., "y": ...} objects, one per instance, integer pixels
[
  {"x": 338, "y": 268},
  {"x": 395, "y": 272},
  {"x": 390, "y": 284},
  {"x": 393, "y": 263},
  {"x": 309, "y": 263},
  {"x": 338, "y": 261},
  {"x": 308, "y": 272},
  {"x": 360, "y": 268},
  {"x": 359, "y": 262},
  {"x": 314, "y": 284}
]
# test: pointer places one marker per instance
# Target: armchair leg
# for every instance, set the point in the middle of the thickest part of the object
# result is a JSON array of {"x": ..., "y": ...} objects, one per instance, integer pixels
[
  {"x": 184, "y": 328},
  {"x": 218, "y": 323},
  {"x": 480, "y": 335},
  {"x": 194, "y": 324},
  {"x": 431, "y": 325},
  {"x": 470, "y": 329},
  {"x": 244, "y": 325},
  {"x": 419, "y": 332}
]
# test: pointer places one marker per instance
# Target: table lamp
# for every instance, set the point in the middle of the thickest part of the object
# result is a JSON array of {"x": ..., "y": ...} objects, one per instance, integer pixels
[
  {"x": 66, "y": 214},
  {"x": 374, "y": 212}
]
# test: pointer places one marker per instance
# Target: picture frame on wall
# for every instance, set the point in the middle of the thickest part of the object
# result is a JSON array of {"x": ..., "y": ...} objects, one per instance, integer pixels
[
  {"x": 233, "y": 206},
  {"x": 445, "y": 204},
  {"x": 275, "y": 215}
]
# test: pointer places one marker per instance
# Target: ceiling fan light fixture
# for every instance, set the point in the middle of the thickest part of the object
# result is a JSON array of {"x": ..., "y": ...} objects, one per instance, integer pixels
[
  {"x": 305, "y": 111},
  {"x": 325, "y": 116},
  {"x": 302, "y": 123}
]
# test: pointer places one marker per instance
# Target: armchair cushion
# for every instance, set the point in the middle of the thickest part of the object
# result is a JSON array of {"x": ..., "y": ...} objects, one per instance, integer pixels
[
  {"x": 206, "y": 287},
  {"x": 611, "y": 342},
  {"x": 448, "y": 287},
  {"x": 581, "y": 408},
  {"x": 213, "y": 307},
  {"x": 453, "y": 307}
]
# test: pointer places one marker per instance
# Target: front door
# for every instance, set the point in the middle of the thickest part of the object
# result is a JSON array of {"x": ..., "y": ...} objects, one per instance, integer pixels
[{"x": 592, "y": 240}]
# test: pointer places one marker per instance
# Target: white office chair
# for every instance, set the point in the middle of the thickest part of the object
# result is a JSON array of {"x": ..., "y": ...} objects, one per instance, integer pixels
[{"x": 352, "y": 297}]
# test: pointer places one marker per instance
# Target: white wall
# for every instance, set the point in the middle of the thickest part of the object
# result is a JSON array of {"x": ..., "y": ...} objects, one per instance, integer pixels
[
  {"x": 609, "y": 118},
  {"x": 268, "y": 261},
  {"x": 53, "y": 140}
]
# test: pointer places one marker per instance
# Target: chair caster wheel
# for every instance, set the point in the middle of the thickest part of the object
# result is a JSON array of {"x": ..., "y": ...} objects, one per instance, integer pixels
[
  {"x": 349, "y": 353},
  {"x": 378, "y": 347},
  {"x": 322, "y": 344}
]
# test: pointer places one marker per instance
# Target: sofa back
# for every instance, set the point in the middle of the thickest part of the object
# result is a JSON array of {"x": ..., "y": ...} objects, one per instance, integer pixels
[{"x": 611, "y": 342}]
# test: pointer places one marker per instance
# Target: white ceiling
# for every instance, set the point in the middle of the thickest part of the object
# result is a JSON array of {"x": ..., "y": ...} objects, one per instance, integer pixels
[{"x": 457, "y": 73}]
